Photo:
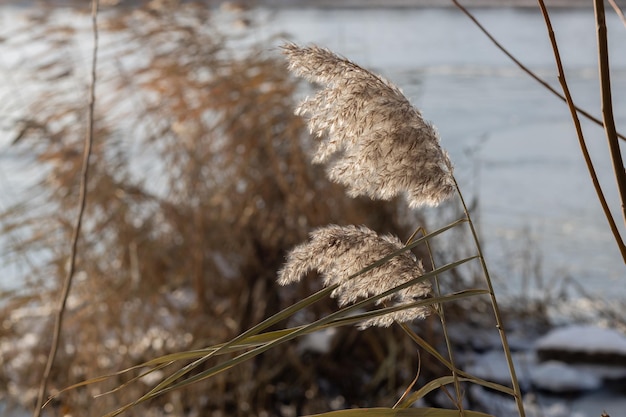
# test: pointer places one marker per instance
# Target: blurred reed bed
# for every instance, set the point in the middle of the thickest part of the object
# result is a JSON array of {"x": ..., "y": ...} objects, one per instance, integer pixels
[{"x": 199, "y": 185}]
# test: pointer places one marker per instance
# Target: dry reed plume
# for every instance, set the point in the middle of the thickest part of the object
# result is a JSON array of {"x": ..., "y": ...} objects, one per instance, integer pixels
[
  {"x": 377, "y": 143},
  {"x": 340, "y": 252}
]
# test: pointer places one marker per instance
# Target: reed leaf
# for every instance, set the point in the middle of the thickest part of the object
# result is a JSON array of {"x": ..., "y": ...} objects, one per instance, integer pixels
[
  {"x": 252, "y": 338},
  {"x": 446, "y": 380},
  {"x": 395, "y": 412},
  {"x": 167, "y": 385}
]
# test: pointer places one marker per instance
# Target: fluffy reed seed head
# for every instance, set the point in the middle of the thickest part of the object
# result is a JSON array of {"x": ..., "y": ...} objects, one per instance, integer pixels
[
  {"x": 374, "y": 141},
  {"x": 337, "y": 252}
]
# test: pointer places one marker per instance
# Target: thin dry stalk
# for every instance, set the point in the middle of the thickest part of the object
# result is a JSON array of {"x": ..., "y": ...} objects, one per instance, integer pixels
[
  {"x": 618, "y": 11},
  {"x": 607, "y": 104},
  {"x": 496, "y": 310},
  {"x": 67, "y": 285},
  {"x": 579, "y": 132},
  {"x": 412, "y": 384},
  {"x": 442, "y": 317},
  {"x": 524, "y": 67}
]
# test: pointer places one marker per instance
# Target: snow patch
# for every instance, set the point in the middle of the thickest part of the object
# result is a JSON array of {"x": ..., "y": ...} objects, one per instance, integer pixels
[
  {"x": 583, "y": 338},
  {"x": 558, "y": 377},
  {"x": 493, "y": 366},
  {"x": 499, "y": 405},
  {"x": 318, "y": 342}
]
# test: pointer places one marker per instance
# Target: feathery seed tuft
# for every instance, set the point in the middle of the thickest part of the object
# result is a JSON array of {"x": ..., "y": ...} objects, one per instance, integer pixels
[
  {"x": 338, "y": 252},
  {"x": 373, "y": 140}
]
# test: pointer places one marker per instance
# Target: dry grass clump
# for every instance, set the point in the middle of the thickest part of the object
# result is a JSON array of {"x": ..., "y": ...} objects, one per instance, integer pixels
[{"x": 199, "y": 183}]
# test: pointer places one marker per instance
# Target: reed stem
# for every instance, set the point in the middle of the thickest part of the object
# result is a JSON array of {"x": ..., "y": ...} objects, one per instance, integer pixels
[
  {"x": 524, "y": 67},
  {"x": 607, "y": 104},
  {"x": 67, "y": 284},
  {"x": 440, "y": 312},
  {"x": 496, "y": 310},
  {"x": 581, "y": 139}
]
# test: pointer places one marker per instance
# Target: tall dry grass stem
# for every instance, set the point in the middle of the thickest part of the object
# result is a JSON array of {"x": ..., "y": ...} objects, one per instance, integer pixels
[
  {"x": 440, "y": 312},
  {"x": 82, "y": 199},
  {"x": 449, "y": 379},
  {"x": 524, "y": 67},
  {"x": 496, "y": 310},
  {"x": 604, "y": 70},
  {"x": 574, "y": 110},
  {"x": 618, "y": 11},
  {"x": 579, "y": 132}
]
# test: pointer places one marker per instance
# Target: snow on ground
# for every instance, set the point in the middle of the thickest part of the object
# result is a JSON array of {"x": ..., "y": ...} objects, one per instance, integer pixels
[
  {"x": 558, "y": 377},
  {"x": 318, "y": 342},
  {"x": 498, "y": 405},
  {"x": 584, "y": 338},
  {"x": 471, "y": 336},
  {"x": 553, "y": 388},
  {"x": 10, "y": 410},
  {"x": 493, "y": 366}
]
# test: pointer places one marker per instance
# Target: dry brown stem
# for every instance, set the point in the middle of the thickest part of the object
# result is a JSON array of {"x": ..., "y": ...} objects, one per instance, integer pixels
[
  {"x": 67, "y": 284},
  {"x": 618, "y": 11},
  {"x": 579, "y": 132},
  {"x": 607, "y": 104},
  {"x": 524, "y": 67}
]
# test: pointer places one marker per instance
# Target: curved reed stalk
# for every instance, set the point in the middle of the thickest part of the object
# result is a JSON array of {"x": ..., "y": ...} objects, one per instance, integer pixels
[
  {"x": 496, "y": 310},
  {"x": 574, "y": 110},
  {"x": 579, "y": 132},
  {"x": 67, "y": 284},
  {"x": 524, "y": 67},
  {"x": 442, "y": 317},
  {"x": 607, "y": 104},
  {"x": 618, "y": 11}
]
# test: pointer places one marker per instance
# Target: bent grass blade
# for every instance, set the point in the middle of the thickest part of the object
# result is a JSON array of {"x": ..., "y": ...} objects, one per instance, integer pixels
[
  {"x": 251, "y": 337},
  {"x": 167, "y": 385},
  {"x": 394, "y": 412}
]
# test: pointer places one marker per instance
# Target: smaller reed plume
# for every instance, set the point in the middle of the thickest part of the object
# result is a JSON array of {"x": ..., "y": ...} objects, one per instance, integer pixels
[
  {"x": 376, "y": 143},
  {"x": 337, "y": 252}
]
